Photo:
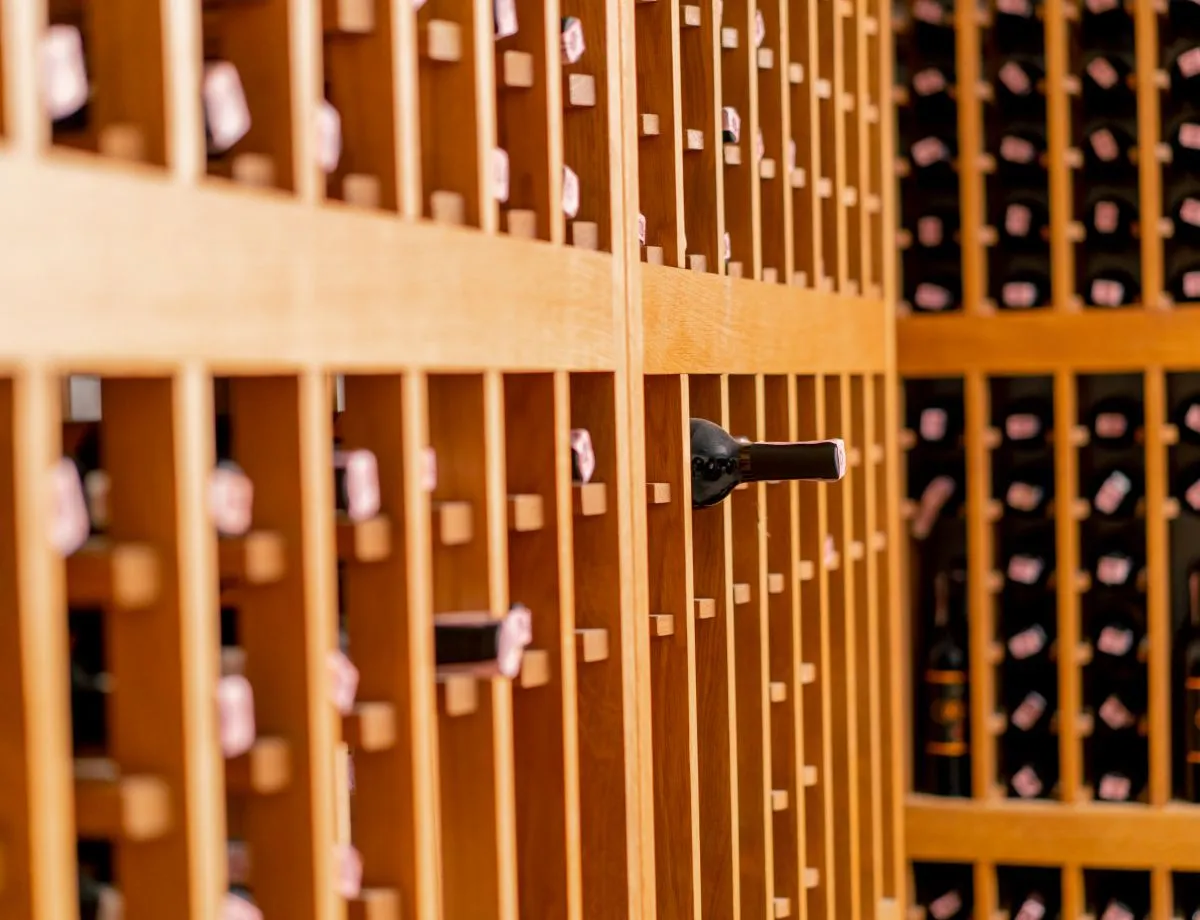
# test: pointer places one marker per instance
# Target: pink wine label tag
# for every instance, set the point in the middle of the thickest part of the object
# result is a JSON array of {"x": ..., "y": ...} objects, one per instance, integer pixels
[
  {"x": 1031, "y": 910},
  {"x": 929, "y": 231},
  {"x": 429, "y": 476},
  {"x": 230, "y": 500},
  {"x": 1102, "y": 72},
  {"x": 500, "y": 174},
  {"x": 1115, "y": 714},
  {"x": 64, "y": 76},
  {"x": 348, "y": 868},
  {"x": 932, "y": 424},
  {"x": 1111, "y": 425},
  {"x": 1189, "y": 211},
  {"x": 1023, "y": 496},
  {"x": 1114, "y": 571},
  {"x": 329, "y": 137},
  {"x": 1114, "y": 910},
  {"x": 946, "y": 906},
  {"x": 1115, "y": 641},
  {"x": 760, "y": 148},
  {"x": 505, "y": 14},
  {"x": 935, "y": 496},
  {"x": 1189, "y": 63},
  {"x": 1018, "y": 220},
  {"x": 343, "y": 682},
  {"x": 96, "y": 485},
  {"x": 1189, "y": 135},
  {"x": 1112, "y": 492},
  {"x": 931, "y": 296},
  {"x": 791, "y": 154},
  {"x": 1107, "y": 292},
  {"x": 760, "y": 28},
  {"x": 641, "y": 229},
  {"x": 583, "y": 457},
  {"x": 1015, "y": 79},
  {"x": 572, "y": 40},
  {"x": 226, "y": 112},
  {"x": 235, "y": 708},
  {"x": 1192, "y": 419},
  {"x": 731, "y": 124},
  {"x": 1017, "y": 150},
  {"x": 570, "y": 192},
  {"x": 1027, "y": 714},
  {"x": 1097, "y": 7},
  {"x": 1027, "y": 783},
  {"x": 1019, "y": 294},
  {"x": 928, "y": 11},
  {"x": 929, "y": 150},
  {"x": 928, "y": 81},
  {"x": 1191, "y": 284},
  {"x": 1015, "y": 8},
  {"x": 1022, "y": 426},
  {"x": 1106, "y": 216},
  {"x": 727, "y": 246},
  {"x": 1025, "y": 570},
  {"x": 830, "y": 549},
  {"x": 361, "y": 482},
  {"x": 69, "y": 522},
  {"x": 238, "y": 853},
  {"x": 234, "y": 907},
  {"x": 1027, "y": 642},
  {"x": 1192, "y": 495},
  {"x": 1104, "y": 145}
]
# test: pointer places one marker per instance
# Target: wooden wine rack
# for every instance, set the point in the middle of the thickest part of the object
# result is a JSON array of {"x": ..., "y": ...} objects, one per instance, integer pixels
[
  {"x": 709, "y": 723},
  {"x": 1065, "y": 342}
]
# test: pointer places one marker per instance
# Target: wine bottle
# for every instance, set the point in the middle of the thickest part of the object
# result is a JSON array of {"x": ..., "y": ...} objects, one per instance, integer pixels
[
  {"x": 946, "y": 689},
  {"x": 932, "y": 154},
  {"x": 1187, "y": 487},
  {"x": 1107, "y": 148},
  {"x": 1106, "y": 80},
  {"x": 356, "y": 483},
  {"x": 1110, "y": 219},
  {"x": 721, "y": 462},
  {"x": 1111, "y": 286},
  {"x": 1116, "y": 568},
  {"x": 1029, "y": 490},
  {"x": 1020, "y": 85},
  {"x": 1185, "y": 215},
  {"x": 1021, "y": 152},
  {"x": 480, "y": 644},
  {"x": 1024, "y": 223},
  {"x": 1030, "y": 907},
  {"x": 1030, "y": 713},
  {"x": 1183, "y": 133},
  {"x": 69, "y": 521},
  {"x": 1027, "y": 422},
  {"x": 1117, "y": 492},
  {"x": 97, "y": 900},
  {"x": 940, "y": 425},
  {"x": 948, "y": 906},
  {"x": 932, "y": 82},
  {"x": 1186, "y": 416},
  {"x": 937, "y": 294},
  {"x": 1184, "y": 67},
  {"x": 1116, "y": 909},
  {"x": 238, "y": 904},
  {"x": 1117, "y": 635},
  {"x": 1032, "y": 778},
  {"x": 583, "y": 457},
  {"x": 1027, "y": 569},
  {"x": 940, "y": 493},
  {"x": 1024, "y": 288},
  {"x": 1191, "y": 692},
  {"x": 1115, "y": 421}
]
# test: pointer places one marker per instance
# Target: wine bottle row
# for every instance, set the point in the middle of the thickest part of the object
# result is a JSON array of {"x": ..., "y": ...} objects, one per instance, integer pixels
[{"x": 1109, "y": 509}]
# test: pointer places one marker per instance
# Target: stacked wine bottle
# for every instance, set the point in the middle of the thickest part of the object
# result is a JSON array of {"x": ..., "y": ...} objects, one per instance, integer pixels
[
  {"x": 1104, "y": 117},
  {"x": 1015, "y": 137},
  {"x": 928, "y": 150},
  {"x": 1179, "y": 79}
]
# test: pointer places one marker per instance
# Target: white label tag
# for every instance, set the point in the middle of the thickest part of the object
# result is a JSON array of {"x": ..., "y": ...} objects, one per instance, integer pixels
[
  {"x": 1115, "y": 641},
  {"x": 329, "y": 137},
  {"x": 946, "y": 906},
  {"x": 1027, "y": 714},
  {"x": 225, "y": 108},
  {"x": 1112, "y": 492},
  {"x": 1027, "y": 783},
  {"x": 1017, "y": 150},
  {"x": 64, "y": 77},
  {"x": 1027, "y": 642},
  {"x": 1105, "y": 145},
  {"x": 1017, "y": 220},
  {"x": 933, "y": 423}
]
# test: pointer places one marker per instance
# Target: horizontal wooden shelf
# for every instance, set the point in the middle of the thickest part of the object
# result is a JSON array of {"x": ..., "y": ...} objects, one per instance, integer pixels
[
  {"x": 706, "y": 324},
  {"x": 268, "y": 282},
  {"x": 1099, "y": 836},
  {"x": 1087, "y": 341}
]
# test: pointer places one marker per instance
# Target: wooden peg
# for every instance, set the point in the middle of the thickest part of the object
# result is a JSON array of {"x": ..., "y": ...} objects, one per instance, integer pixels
[
  {"x": 521, "y": 224},
  {"x": 694, "y": 139},
  {"x": 1170, "y": 435},
  {"x": 349, "y": 17},
  {"x": 361, "y": 190},
  {"x": 781, "y": 907},
  {"x": 263, "y": 770},
  {"x": 808, "y": 775},
  {"x": 591, "y": 645},
  {"x": 254, "y": 170},
  {"x": 535, "y": 669},
  {"x": 453, "y": 523},
  {"x": 585, "y": 234},
  {"x": 257, "y": 558},
  {"x": 654, "y": 255},
  {"x": 995, "y": 654},
  {"x": 798, "y": 177},
  {"x": 706, "y": 608},
  {"x": 658, "y": 493},
  {"x": 1171, "y": 509},
  {"x": 732, "y": 154},
  {"x": 729, "y": 38},
  {"x": 697, "y": 262},
  {"x": 777, "y": 691},
  {"x": 806, "y": 571},
  {"x": 795, "y": 73},
  {"x": 517, "y": 69},
  {"x": 1074, "y": 158},
  {"x": 808, "y": 673},
  {"x": 800, "y": 279},
  {"x": 766, "y": 168},
  {"x": 689, "y": 16},
  {"x": 734, "y": 270},
  {"x": 370, "y": 727},
  {"x": 812, "y": 877},
  {"x": 775, "y": 583},
  {"x": 823, "y": 88},
  {"x": 374, "y": 904},
  {"x": 648, "y": 125},
  {"x": 590, "y": 499},
  {"x": 741, "y": 594},
  {"x": 441, "y": 41},
  {"x": 458, "y": 695},
  {"x": 525, "y": 513},
  {"x": 581, "y": 90},
  {"x": 770, "y": 275},
  {"x": 779, "y": 800},
  {"x": 447, "y": 208},
  {"x": 662, "y": 624},
  {"x": 122, "y": 142},
  {"x": 824, "y": 187},
  {"x": 870, "y": 25},
  {"x": 124, "y": 576},
  {"x": 766, "y": 59}
]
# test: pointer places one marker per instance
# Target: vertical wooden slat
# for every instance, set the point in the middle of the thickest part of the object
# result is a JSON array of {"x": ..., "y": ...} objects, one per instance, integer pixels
[
  {"x": 739, "y": 90},
  {"x": 406, "y": 99},
  {"x": 165, "y": 660},
  {"x": 986, "y": 895},
  {"x": 483, "y": 49},
  {"x": 1162, "y": 905},
  {"x": 1149, "y": 169},
  {"x": 887, "y": 179},
  {"x": 703, "y": 179},
  {"x": 1066, "y": 535},
  {"x": 36, "y": 800},
  {"x": 1058, "y": 130},
  {"x": 805, "y": 120},
  {"x": 27, "y": 128},
  {"x": 716, "y": 668},
  {"x": 970, "y": 145},
  {"x": 307, "y": 83},
  {"x": 184, "y": 121},
  {"x": 1158, "y": 599},
  {"x": 391, "y": 639},
  {"x": 1074, "y": 900},
  {"x": 979, "y": 598},
  {"x": 282, "y": 439}
]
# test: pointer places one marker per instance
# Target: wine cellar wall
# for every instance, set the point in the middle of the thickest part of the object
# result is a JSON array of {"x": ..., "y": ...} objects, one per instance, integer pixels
[
  {"x": 482, "y": 261},
  {"x": 1047, "y": 346}
]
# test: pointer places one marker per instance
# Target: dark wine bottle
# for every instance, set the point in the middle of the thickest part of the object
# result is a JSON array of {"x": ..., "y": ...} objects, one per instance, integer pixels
[
  {"x": 1021, "y": 151},
  {"x": 356, "y": 483},
  {"x": 1184, "y": 284},
  {"x": 1019, "y": 83},
  {"x": 1183, "y": 133},
  {"x": 940, "y": 493},
  {"x": 940, "y": 425},
  {"x": 1024, "y": 289},
  {"x": 1184, "y": 212},
  {"x": 1106, "y": 80},
  {"x": 1030, "y": 907},
  {"x": 1184, "y": 68},
  {"x": 1115, "y": 421},
  {"x": 1027, "y": 422},
  {"x": 1186, "y": 416},
  {"x": 1116, "y": 909},
  {"x": 1027, "y": 569},
  {"x": 1106, "y": 149},
  {"x": 1116, "y": 492},
  {"x": 97, "y": 900},
  {"x": 1191, "y": 692},
  {"x": 720, "y": 462},
  {"x": 1030, "y": 713},
  {"x": 1032, "y": 776},
  {"x": 1029, "y": 490},
  {"x": 480, "y": 644},
  {"x": 946, "y": 690},
  {"x": 1116, "y": 568}
]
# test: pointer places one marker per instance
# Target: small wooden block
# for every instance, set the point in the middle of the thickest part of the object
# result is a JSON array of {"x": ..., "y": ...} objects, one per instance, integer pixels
[
  {"x": 590, "y": 499},
  {"x": 781, "y": 907},
  {"x": 124, "y": 577},
  {"x": 779, "y": 800},
  {"x": 766, "y": 168},
  {"x": 777, "y": 691},
  {"x": 870, "y": 25},
  {"x": 732, "y": 155},
  {"x": 825, "y": 190},
  {"x": 697, "y": 262},
  {"x": 812, "y": 877},
  {"x": 522, "y": 223},
  {"x": 591, "y": 645},
  {"x": 361, "y": 190},
  {"x": 517, "y": 69},
  {"x": 795, "y": 73},
  {"x": 654, "y": 255},
  {"x": 662, "y": 624},
  {"x": 706, "y": 608},
  {"x": 370, "y": 727},
  {"x": 349, "y": 16},
  {"x": 879, "y": 541},
  {"x": 694, "y": 139},
  {"x": 442, "y": 41},
  {"x": 997, "y": 722},
  {"x": 258, "y": 558},
  {"x": 823, "y": 88},
  {"x": 535, "y": 668},
  {"x": 808, "y": 672},
  {"x": 254, "y": 169},
  {"x": 585, "y": 234},
  {"x": 741, "y": 593},
  {"x": 447, "y": 208},
  {"x": 856, "y": 551},
  {"x": 364, "y": 541},
  {"x": 374, "y": 904},
  {"x": 122, "y": 142},
  {"x": 525, "y": 513},
  {"x": 766, "y": 58},
  {"x": 1083, "y": 654},
  {"x": 800, "y": 279},
  {"x": 995, "y": 582},
  {"x": 658, "y": 493},
  {"x": 798, "y": 178},
  {"x": 993, "y": 510},
  {"x": 1080, "y": 509},
  {"x": 581, "y": 90},
  {"x": 808, "y": 775},
  {"x": 735, "y": 270},
  {"x": 770, "y": 275},
  {"x": 729, "y": 38},
  {"x": 1171, "y": 509},
  {"x": 848, "y": 102},
  {"x": 1079, "y": 436},
  {"x": 453, "y": 522},
  {"x": 648, "y": 125},
  {"x": 850, "y": 196},
  {"x": 806, "y": 570},
  {"x": 125, "y": 808},
  {"x": 775, "y": 583},
  {"x": 1170, "y": 435},
  {"x": 458, "y": 695},
  {"x": 689, "y": 16},
  {"x": 264, "y": 769}
]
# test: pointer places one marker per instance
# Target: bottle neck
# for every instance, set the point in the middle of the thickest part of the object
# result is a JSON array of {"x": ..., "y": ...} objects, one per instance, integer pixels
[{"x": 812, "y": 460}]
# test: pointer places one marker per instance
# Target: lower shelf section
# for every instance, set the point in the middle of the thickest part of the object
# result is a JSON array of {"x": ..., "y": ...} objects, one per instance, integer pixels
[{"x": 1049, "y": 834}]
